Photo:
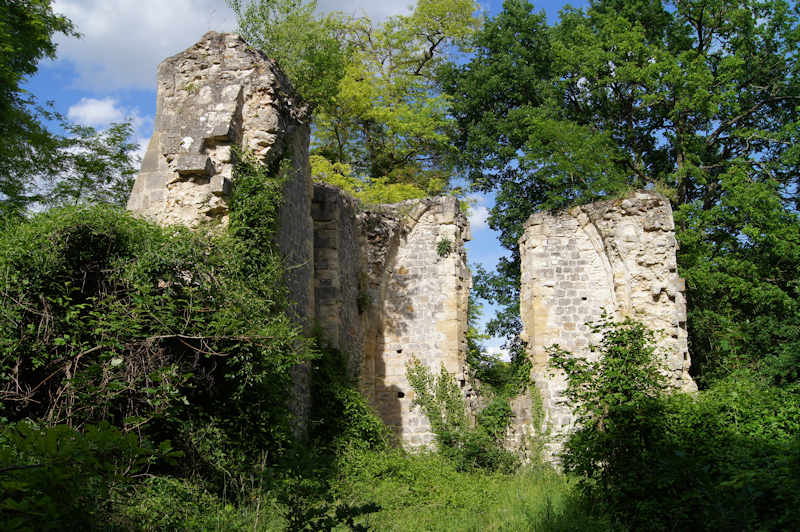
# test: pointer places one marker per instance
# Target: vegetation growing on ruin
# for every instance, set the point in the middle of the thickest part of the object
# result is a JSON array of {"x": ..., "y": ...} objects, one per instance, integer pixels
[{"x": 144, "y": 372}]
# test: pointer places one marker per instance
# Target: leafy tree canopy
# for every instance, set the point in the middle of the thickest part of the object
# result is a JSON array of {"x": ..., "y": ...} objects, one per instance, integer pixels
[
  {"x": 379, "y": 109},
  {"x": 697, "y": 100},
  {"x": 94, "y": 166},
  {"x": 26, "y": 31}
]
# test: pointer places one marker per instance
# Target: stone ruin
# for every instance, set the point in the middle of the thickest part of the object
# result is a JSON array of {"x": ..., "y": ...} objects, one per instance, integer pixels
[
  {"x": 616, "y": 256},
  {"x": 371, "y": 277}
]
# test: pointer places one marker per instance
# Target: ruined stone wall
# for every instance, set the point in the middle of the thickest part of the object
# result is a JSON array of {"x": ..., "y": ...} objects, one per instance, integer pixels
[
  {"x": 338, "y": 273},
  {"x": 217, "y": 94},
  {"x": 372, "y": 281},
  {"x": 617, "y": 255},
  {"x": 419, "y": 304},
  {"x": 385, "y": 296}
]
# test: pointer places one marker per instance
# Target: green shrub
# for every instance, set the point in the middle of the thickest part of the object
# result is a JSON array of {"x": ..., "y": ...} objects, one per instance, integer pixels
[
  {"x": 441, "y": 401},
  {"x": 163, "y": 331},
  {"x": 340, "y": 416},
  {"x": 443, "y": 247},
  {"x": 60, "y": 478},
  {"x": 724, "y": 459}
]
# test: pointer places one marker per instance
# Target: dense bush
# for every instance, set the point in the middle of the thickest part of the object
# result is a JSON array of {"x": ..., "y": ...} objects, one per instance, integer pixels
[
  {"x": 60, "y": 478},
  {"x": 165, "y": 333},
  {"x": 724, "y": 459}
]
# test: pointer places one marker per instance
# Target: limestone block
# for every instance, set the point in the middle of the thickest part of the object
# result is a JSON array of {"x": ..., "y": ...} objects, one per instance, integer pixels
[{"x": 209, "y": 97}]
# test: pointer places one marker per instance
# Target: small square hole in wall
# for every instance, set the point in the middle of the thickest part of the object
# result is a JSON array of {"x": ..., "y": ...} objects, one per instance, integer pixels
[
  {"x": 685, "y": 356},
  {"x": 400, "y": 395},
  {"x": 583, "y": 298},
  {"x": 399, "y": 351}
]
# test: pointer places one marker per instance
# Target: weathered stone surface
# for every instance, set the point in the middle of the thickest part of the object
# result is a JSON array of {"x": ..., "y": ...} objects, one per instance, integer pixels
[
  {"x": 618, "y": 256},
  {"x": 217, "y": 93},
  {"x": 420, "y": 304},
  {"x": 372, "y": 280},
  {"x": 384, "y": 295}
]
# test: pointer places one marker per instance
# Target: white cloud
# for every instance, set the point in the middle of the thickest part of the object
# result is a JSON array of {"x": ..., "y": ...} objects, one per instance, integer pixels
[
  {"x": 478, "y": 213},
  {"x": 96, "y": 113},
  {"x": 100, "y": 114},
  {"x": 125, "y": 40},
  {"x": 502, "y": 353},
  {"x": 477, "y": 218}
]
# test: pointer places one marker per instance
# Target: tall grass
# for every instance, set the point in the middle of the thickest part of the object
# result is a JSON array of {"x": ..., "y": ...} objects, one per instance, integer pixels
[{"x": 416, "y": 492}]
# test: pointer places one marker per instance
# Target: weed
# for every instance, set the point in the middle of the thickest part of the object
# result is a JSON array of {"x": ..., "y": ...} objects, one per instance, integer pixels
[{"x": 443, "y": 247}]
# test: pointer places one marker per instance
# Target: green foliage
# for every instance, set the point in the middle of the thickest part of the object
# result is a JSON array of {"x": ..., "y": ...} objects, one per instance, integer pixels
[
  {"x": 427, "y": 491},
  {"x": 165, "y": 503},
  {"x": 696, "y": 100},
  {"x": 304, "y": 45},
  {"x": 341, "y": 417},
  {"x": 26, "y": 37},
  {"x": 381, "y": 125},
  {"x": 300, "y": 487},
  {"x": 370, "y": 191},
  {"x": 443, "y": 247},
  {"x": 439, "y": 397},
  {"x": 60, "y": 478},
  {"x": 166, "y": 332},
  {"x": 94, "y": 167},
  {"x": 743, "y": 284},
  {"x": 613, "y": 394},
  {"x": 495, "y": 376},
  {"x": 388, "y": 119},
  {"x": 721, "y": 459},
  {"x": 443, "y": 404}
]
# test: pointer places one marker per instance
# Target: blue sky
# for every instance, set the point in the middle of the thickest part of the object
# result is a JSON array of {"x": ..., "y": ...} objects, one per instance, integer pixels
[{"x": 110, "y": 74}]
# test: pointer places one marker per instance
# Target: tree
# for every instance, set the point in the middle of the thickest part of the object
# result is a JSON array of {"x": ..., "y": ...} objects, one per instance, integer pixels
[
  {"x": 304, "y": 45},
  {"x": 694, "y": 99},
  {"x": 26, "y": 32},
  {"x": 378, "y": 108},
  {"x": 655, "y": 460},
  {"x": 94, "y": 166},
  {"x": 389, "y": 120}
]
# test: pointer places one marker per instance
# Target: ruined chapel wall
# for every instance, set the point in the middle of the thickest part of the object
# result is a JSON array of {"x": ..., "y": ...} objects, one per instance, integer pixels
[
  {"x": 372, "y": 280},
  {"x": 337, "y": 272},
  {"x": 617, "y": 255},
  {"x": 419, "y": 304},
  {"x": 218, "y": 93}
]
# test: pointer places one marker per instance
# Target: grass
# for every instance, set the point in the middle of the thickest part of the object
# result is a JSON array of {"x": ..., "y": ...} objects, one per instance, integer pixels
[{"x": 416, "y": 493}]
